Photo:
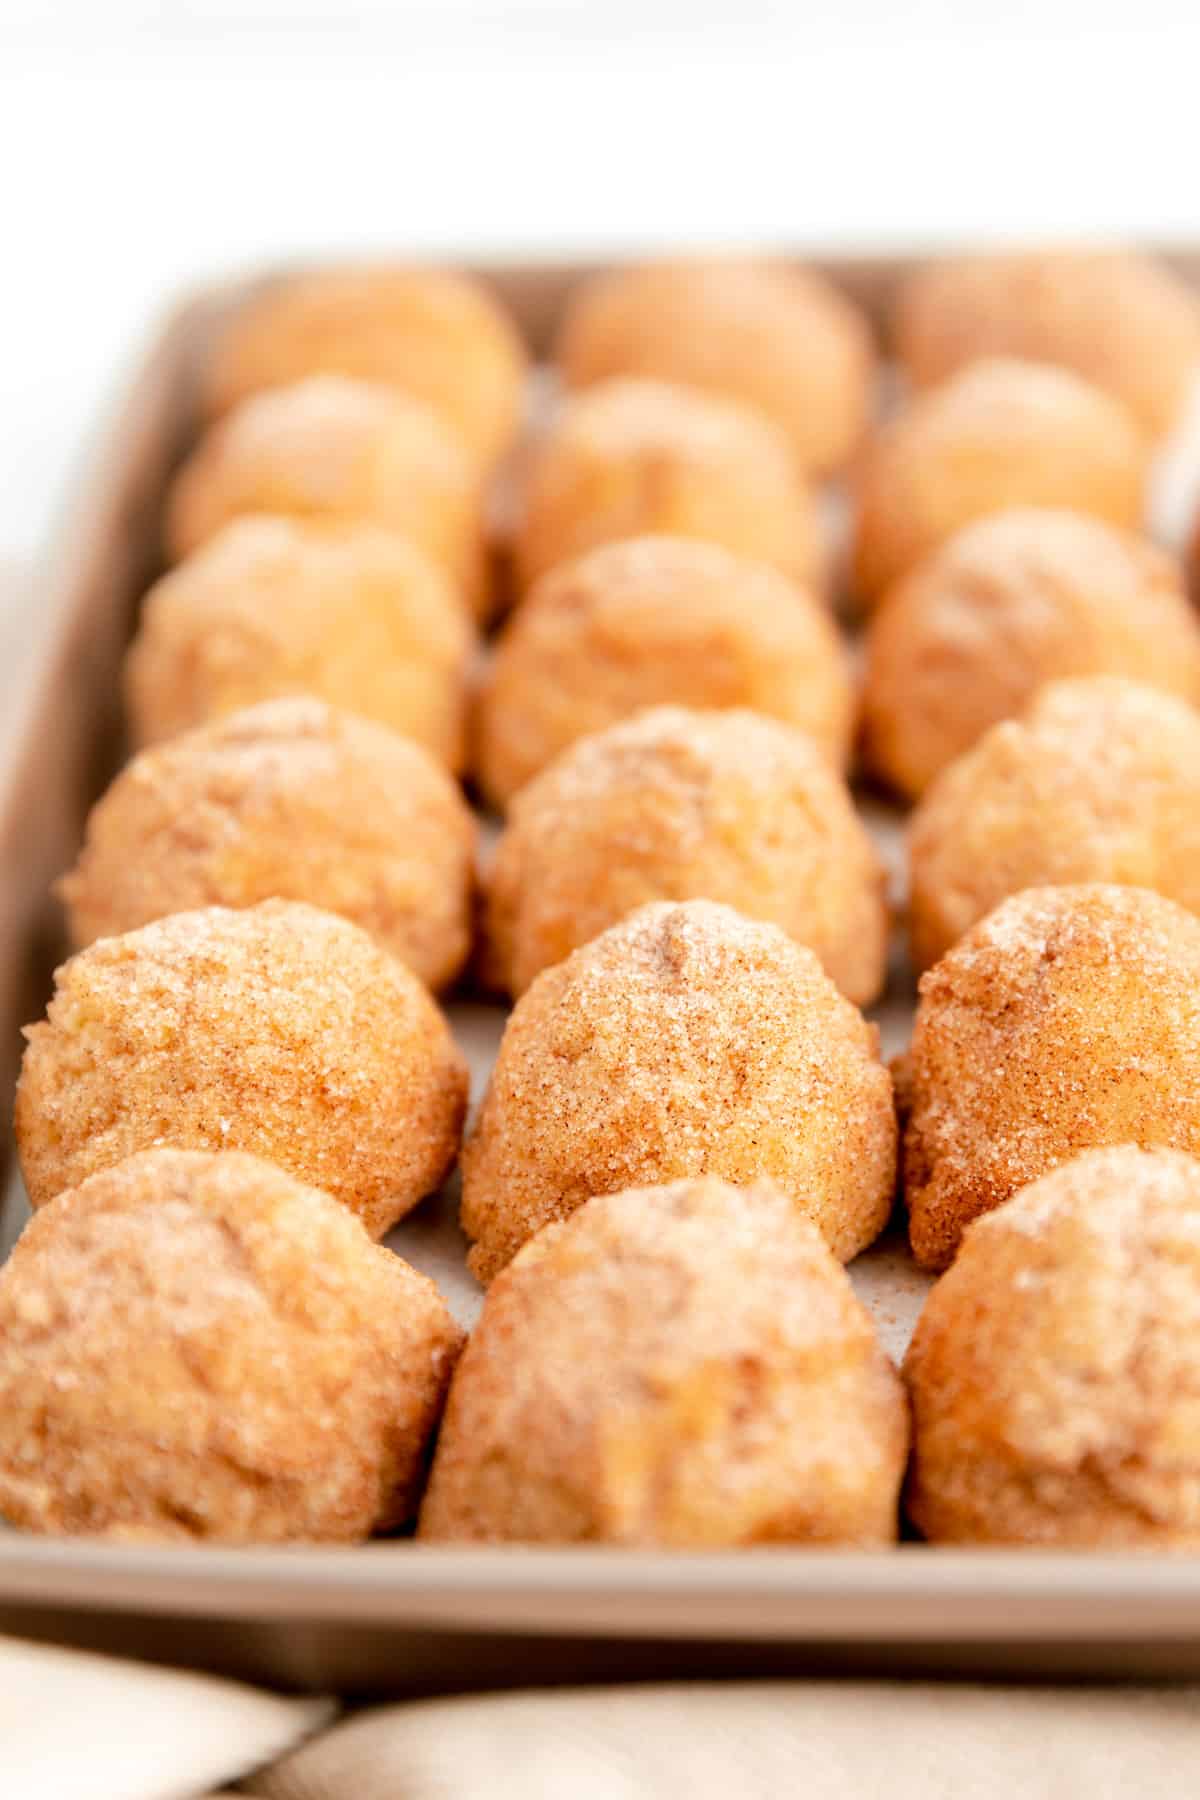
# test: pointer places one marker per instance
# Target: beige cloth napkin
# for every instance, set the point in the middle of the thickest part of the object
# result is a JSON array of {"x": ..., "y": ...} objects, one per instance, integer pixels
[
  {"x": 79, "y": 1727},
  {"x": 814, "y": 1740}
]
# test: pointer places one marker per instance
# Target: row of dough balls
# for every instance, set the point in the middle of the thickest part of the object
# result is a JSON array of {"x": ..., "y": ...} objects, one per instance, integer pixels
[
  {"x": 687, "y": 1038},
  {"x": 1097, "y": 780},
  {"x": 684, "y": 1038},
  {"x": 198, "y": 1347},
  {"x": 356, "y": 615},
  {"x": 293, "y": 799},
  {"x": 781, "y": 341},
  {"x": 685, "y": 1365}
]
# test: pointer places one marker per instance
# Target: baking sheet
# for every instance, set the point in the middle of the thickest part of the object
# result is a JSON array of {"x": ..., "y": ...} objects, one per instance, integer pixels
[{"x": 397, "y": 1616}]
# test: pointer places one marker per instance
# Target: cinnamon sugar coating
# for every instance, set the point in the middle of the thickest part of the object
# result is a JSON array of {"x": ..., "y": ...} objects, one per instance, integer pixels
[
  {"x": 1029, "y": 596},
  {"x": 1067, "y": 1020},
  {"x": 1055, "y": 1370},
  {"x": 673, "y": 804},
  {"x": 333, "y": 449},
  {"x": 1099, "y": 780},
  {"x": 656, "y": 621},
  {"x": 685, "y": 1041},
  {"x": 278, "y": 1030},
  {"x": 998, "y": 434},
  {"x": 1123, "y": 321},
  {"x": 778, "y": 338},
  {"x": 431, "y": 333},
  {"x": 350, "y": 613},
  {"x": 630, "y": 457},
  {"x": 682, "y": 1366},
  {"x": 197, "y": 1347},
  {"x": 290, "y": 800}
]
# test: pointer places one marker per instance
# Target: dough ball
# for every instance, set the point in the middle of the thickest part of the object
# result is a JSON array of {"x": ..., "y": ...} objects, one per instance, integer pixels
[
  {"x": 1068, "y": 1019},
  {"x": 1055, "y": 1371},
  {"x": 679, "y": 805},
  {"x": 437, "y": 336},
  {"x": 198, "y": 1347},
  {"x": 337, "y": 450},
  {"x": 999, "y": 434},
  {"x": 1099, "y": 781},
  {"x": 1123, "y": 321},
  {"x": 271, "y": 607},
  {"x": 685, "y": 1041},
  {"x": 683, "y": 1366},
  {"x": 780, "y": 339},
  {"x": 289, "y": 800},
  {"x": 626, "y": 457},
  {"x": 1007, "y": 604},
  {"x": 649, "y": 622},
  {"x": 279, "y": 1030}
]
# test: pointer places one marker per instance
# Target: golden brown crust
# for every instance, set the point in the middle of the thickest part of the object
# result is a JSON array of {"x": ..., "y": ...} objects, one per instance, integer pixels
[
  {"x": 626, "y": 458},
  {"x": 687, "y": 1040},
  {"x": 682, "y": 1365},
  {"x": 999, "y": 434},
  {"x": 1067, "y": 1020},
  {"x": 1123, "y": 321},
  {"x": 1055, "y": 1370},
  {"x": 673, "y": 804},
  {"x": 198, "y": 1347},
  {"x": 1098, "y": 781},
  {"x": 1029, "y": 596},
  {"x": 333, "y": 449},
  {"x": 290, "y": 800},
  {"x": 433, "y": 334},
  {"x": 780, "y": 339},
  {"x": 271, "y": 607},
  {"x": 656, "y": 621},
  {"x": 280, "y": 1030}
]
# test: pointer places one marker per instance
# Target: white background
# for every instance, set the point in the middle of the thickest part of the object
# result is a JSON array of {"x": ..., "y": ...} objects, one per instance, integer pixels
[{"x": 143, "y": 146}]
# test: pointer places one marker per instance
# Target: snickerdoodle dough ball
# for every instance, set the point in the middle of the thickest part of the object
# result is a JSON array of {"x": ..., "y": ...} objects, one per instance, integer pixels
[
  {"x": 1098, "y": 781},
  {"x": 684, "y": 1366},
  {"x": 1055, "y": 1370},
  {"x": 1123, "y": 321},
  {"x": 999, "y": 434},
  {"x": 1009, "y": 603},
  {"x": 628, "y": 456},
  {"x": 279, "y": 1030},
  {"x": 291, "y": 800},
  {"x": 271, "y": 607},
  {"x": 687, "y": 1040},
  {"x": 333, "y": 449},
  {"x": 199, "y": 1347},
  {"x": 654, "y": 621},
  {"x": 780, "y": 339},
  {"x": 1068, "y": 1019},
  {"x": 433, "y": 334},
  {"x": 680, "y": 805}
]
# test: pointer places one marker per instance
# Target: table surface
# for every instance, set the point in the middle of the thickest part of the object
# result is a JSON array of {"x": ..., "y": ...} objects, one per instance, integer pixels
[{"x": 148, "y": 146}]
